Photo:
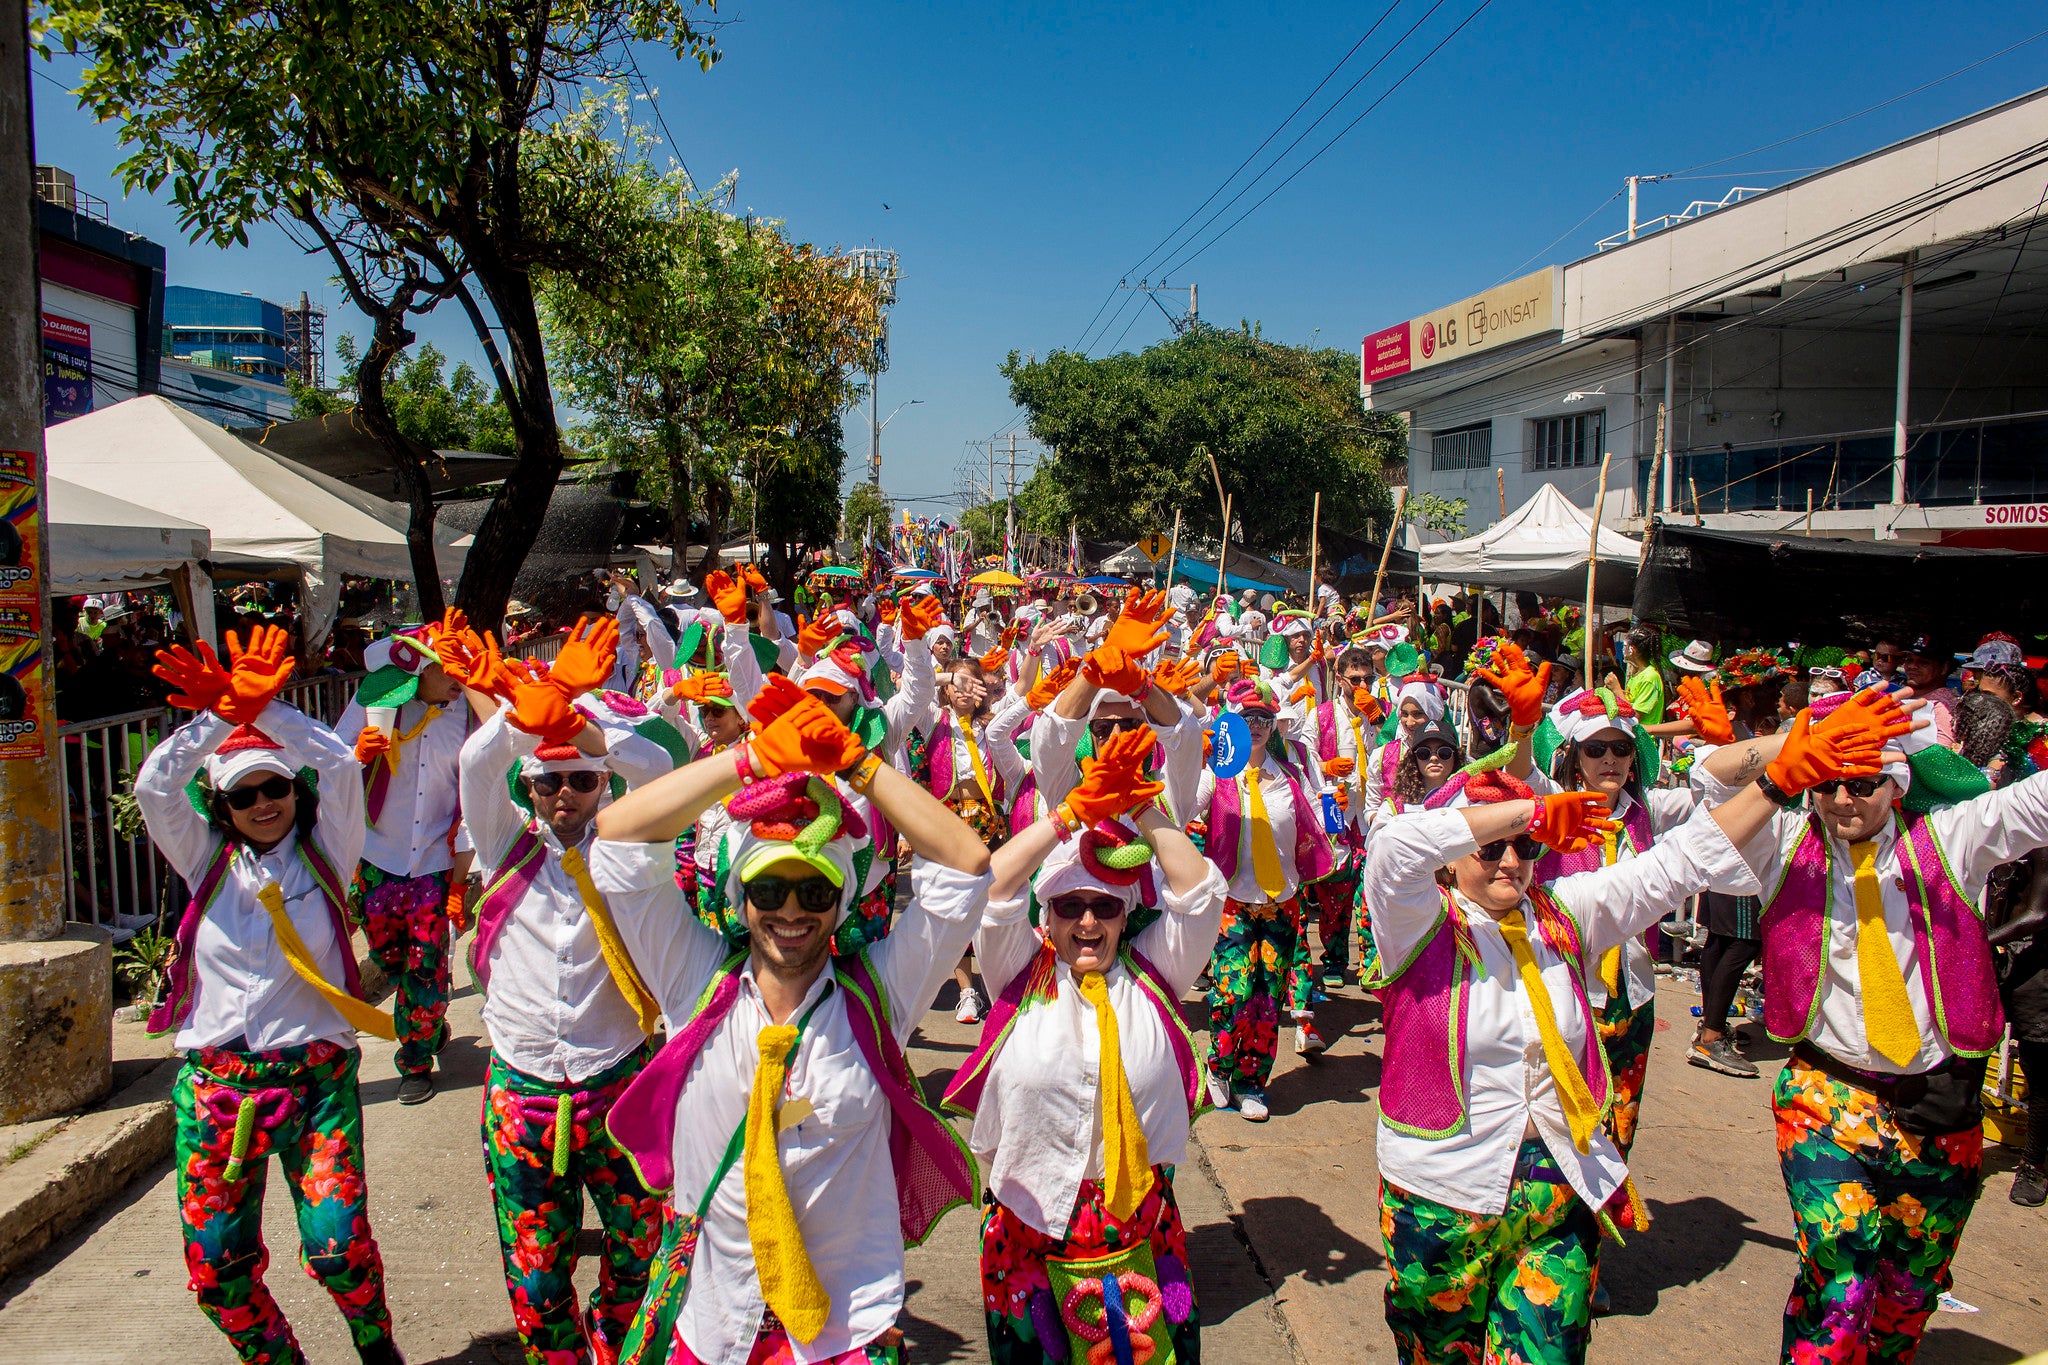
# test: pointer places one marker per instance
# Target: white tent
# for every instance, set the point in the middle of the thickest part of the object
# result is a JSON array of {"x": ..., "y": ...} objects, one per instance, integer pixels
[
  {"x": 1539, "y": 547},
  {"x": 100, "y": 543},
  {"x": 267, "y": 516}
]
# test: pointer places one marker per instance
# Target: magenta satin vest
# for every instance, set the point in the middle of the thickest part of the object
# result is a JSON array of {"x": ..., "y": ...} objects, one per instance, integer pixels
[
  {"x": 1956, "y": 967},
  {"x": 1426, "y": 1001}
]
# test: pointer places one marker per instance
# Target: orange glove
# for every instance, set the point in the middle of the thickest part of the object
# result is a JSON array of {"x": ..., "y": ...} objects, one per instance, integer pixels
[
  {"x": 817, "y": 635},
  {"x": 1849, "y": 743},
  {"x": 753, "y": 580},
  {"x": 1709, "y": 714},
  {"x": 885, "y": 610},
  {"x": 1137, "y": 631},
  {"x": 920, "y": 614},
  {"x": 997, "y": 660},
  {"x": 372, "y": 744},
  {"x": 198, "y": 679},
  {"x": 728, "y": 595},
  {"x": 1008, "y": 639},
  {"x": 778, "y": 693},
  {"x": 1110, "y": 668},
  {"x": 1050, "y": 685},
  {"x": 1874, "y": 710},
  {"x": 587, "y": 657},
  {"x": 490, "y": 672},
  {"x": 1367, "y": 706},
  {"x": 1178, "y": 675},
  {"x": 1114, "y": 781},
  {"x": 1321, "y": 651},
  {"x": 458, "y": 905},
  {"x": 1522, "y": 686},
  {"x": 542, "y": 710},
  {"x": 256, "y": 675},
  {"x": 806, "y": 737},
  {"x": 1225, "y": 668},
  {"x": 1343, "y": 797},
  {"x": 1568, "y": 821},
  {"x": 1339, "y": 767},
  {"x": 701, "y": 687}
]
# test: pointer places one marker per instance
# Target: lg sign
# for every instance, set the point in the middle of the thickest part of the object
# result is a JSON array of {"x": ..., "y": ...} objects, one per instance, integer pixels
[{"x": 1428, "y": 340}]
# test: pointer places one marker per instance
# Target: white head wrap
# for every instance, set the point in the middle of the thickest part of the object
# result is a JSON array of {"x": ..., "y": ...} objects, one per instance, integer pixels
[
  {"x": 1424, "y": 695},
  {"x": 1575, "y": 720}
]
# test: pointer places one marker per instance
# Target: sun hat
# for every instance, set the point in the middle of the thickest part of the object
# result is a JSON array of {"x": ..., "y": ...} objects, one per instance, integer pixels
[{"x": 1696, "y": 657}]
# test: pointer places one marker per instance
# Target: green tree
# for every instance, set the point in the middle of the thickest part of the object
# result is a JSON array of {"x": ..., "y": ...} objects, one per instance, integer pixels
[
  {"x": 411, "y": 141},
  {"x": 868, "y": 509},
  {"x": 1445, "y": 516},
  {"x": 1281, "y": 422},
  {"x": 437, "y": 408},
  {"x": 985, "y": 524}
]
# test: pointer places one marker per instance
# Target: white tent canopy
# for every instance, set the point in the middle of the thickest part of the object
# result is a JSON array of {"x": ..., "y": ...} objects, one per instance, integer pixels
[
  {"x": 1539, "y": 547},
  {"x": 264, "y": 513},
  {"x": 100, "y": 543}
]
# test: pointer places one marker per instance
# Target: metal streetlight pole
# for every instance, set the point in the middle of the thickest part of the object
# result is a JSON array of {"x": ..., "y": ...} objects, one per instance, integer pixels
[{"x": 875, "y": 447}]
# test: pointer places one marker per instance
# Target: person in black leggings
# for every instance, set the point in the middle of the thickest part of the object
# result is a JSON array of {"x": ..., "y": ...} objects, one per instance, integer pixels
[
  {"x": 2023, "y": 988},
  {"x": 1733, "y": 942}
]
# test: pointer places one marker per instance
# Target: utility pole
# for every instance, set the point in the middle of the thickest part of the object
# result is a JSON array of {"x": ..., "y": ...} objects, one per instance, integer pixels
[
  {"x": 880, "y": 266},
  {"x": 1010, "y": 511},
  {"x": 56, "y": 978},
  {"x": 1153, "y": 291},
  {"x": 1634, "y": 182}
]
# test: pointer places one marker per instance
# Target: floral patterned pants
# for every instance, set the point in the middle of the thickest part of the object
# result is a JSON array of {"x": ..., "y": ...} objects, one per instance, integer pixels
[
  {"x": 405, "y": 920},
  {"x": 1626, "y": 1035},
  {"x": 1253, "y": 975},
  {"x": 301, "y": 1106},
  {"x": 1513, "y": 1289},
  {"x": 1878, "y": 1211},
  {"x": 1338, "y": 899},
  {"x": 540, "y": 1155}
]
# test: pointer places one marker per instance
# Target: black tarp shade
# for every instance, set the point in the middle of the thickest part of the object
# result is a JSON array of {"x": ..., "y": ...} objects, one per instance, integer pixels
[{"x": 1749, "y": 588}]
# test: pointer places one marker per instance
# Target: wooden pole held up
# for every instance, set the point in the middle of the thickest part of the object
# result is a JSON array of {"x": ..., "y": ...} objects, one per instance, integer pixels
[{"x": 1593, "y": 563}]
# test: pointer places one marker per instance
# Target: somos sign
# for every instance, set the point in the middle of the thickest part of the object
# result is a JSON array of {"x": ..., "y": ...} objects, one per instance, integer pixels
[
  {"x": 2017, "y": 514},
  {"x": 1513, "y": 312}
]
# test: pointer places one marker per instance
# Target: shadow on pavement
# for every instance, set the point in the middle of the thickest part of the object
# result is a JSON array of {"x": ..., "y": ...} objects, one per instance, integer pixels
[
  {"x": 1686, "y": 1243},
  {"x": 494, "y": 1348},
  {"x": 1213, "y": 1253},
  {"x": 1345, "y": 1077},
  {"x": 461, "y": 1066},
  {"x": 1952, "y": 1346},
  {"x": 927, "y": 1343},
  {"x": 1291, "y": 1236}
]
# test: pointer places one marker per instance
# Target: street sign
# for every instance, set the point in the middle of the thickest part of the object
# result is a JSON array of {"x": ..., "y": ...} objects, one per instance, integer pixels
[
  {"x": 1155, "y": 546},
  {"x": 1230, "y": 745}
]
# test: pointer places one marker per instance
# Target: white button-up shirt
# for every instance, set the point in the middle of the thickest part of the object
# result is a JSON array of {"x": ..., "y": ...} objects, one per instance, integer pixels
[
  {"x": 1054, "y": 739},
  {"x": 1280, "y": 813},
  {"x": 1976, "y": 836},
  {"x": 553, "y": 1010},
  {"x": 1507, "y": 1080},
  {"x": 245, "y": 986},
  {"x": 1038, "y": 1130},
  {"x": 835, "y": 1162},
  {"x": 410, "y": 837}
]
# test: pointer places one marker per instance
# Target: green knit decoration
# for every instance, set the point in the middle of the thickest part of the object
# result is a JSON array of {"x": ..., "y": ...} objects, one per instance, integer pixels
[
  {"x": 1124, "y": 857},
  {"x": 812, "y": 839},
  {"x": 1941, "y": 777}
]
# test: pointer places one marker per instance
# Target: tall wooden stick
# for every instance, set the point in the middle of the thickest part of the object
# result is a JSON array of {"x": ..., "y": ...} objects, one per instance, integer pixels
[
  {"x": 1500, "y": 482},
  {"x": 1649, "y": 512},
  {"x": 1315, "y": 522},
  {"x": 1809, "y": 509},
  {"x": 1174, "y": 553},
  {"x": 1694, "y": 484},
  {"x": 1223, "y": 555},
  {"x": 1593, "y": 562},
  {"x": 1372, "y": 609}
]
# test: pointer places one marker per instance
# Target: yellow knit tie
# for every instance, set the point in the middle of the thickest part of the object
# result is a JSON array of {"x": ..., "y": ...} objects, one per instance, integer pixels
[
  {"x": 1610, "y": 961},
  {"x": 360, "y": 1015},
  {"x": 1580, "y": 1112},
  {"x": 1888, "y": 1020},
  {"x": 620, "y": 962},
  {"x": 400, "y": 741},
  {"x": 966, "y": 728},
  {"x": 1126, "y": 1163},
  {"x": 789, "y": 1282},
  {"x": 1265, "y": 848}
]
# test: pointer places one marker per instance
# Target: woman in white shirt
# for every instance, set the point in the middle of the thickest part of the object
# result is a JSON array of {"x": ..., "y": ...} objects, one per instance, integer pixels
[
  {"x": 263, "y": 992},
  {"x": 1086, "y": 1081}
]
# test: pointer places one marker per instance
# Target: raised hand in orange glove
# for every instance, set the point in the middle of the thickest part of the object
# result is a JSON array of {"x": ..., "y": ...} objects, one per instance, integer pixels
[
  {"x": 1114, "y": 781},
  {"x": 1709, "y": 714},
  {"x": 728, "y": 595},
  {"x": 1321, "y": 650},
  {"x": 1339, "y": 767},
  {"x": 1110, "y": 668},
  {"x": 1051, "y": 684},
  {"x": 255, "y": 674},
  {"x": 1876, "y": 711},
  {"x": 1306, "y": 692},
  {"x": 1008, "y": 639},
  {"x": 817, "y": 634},
  {"x": 921, "y": 614},
  {"x": 1367, "y": 706},
  {"x": 752, "y": 579},
  {"x": 587, "y": 657},
  {"x": 1178, "y": 675},
  {"x": 885, "y": 611},
  {"x": 371, "y": 745},
  {"x": 1137, "y": 631},
  {"x": 1226, "y": 666},
  {"x": 1568, "y": 821},
  {"x": 1521, "y": 685},
  {"x": 490, "y": 672},
  {"x": 198, "y": 681},
  {"x": 701, "y": 687},
  {"x": 1849, "y": 743},
  {"x": 997, "y": 660},
  {"x": 456, "y": 646},
  {"x": 800, "y": 735},
  {"x": 543, "y": 710}
]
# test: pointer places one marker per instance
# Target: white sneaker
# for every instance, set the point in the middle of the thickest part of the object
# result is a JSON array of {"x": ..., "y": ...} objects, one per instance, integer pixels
[
  {"x": 1252, "y": 1106},
  {"x": 969, "y": 1011},
  {"x": 1306, "y": 1039},
  {"x": 1219, "y": 1090}
]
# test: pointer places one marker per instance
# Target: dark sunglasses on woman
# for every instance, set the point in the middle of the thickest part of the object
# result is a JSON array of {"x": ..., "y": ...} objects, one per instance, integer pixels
[
  {"x": 547, "y": 784},
  {"x": 1102, "y": 730},
  {"x": 273, "y": 789},
  {"x": 1436, "y": 753},
  {"x": 815, "y": 895},
  {"x": 1527, "y": 847},
  {"x": 1600, "y": 748},
  {"x": 1073, "y": 907}
]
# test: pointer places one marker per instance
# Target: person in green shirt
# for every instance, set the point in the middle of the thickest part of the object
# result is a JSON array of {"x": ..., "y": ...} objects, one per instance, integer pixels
[{"x": 1645, "y": 679}]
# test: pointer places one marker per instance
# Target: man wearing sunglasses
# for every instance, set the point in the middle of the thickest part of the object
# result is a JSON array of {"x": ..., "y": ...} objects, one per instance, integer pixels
[
  {"x": 773, "y": 1112},
  {"x": 568, "y": 1016},
  {"x": 1878, "y": 973},
  {"x": 1491, "y": 1037}
]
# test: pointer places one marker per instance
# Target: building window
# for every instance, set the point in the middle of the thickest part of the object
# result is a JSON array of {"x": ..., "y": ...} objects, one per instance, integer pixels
[
  {"x": 1465, "y": 448},
  {"x": 1566, "y": 442}
]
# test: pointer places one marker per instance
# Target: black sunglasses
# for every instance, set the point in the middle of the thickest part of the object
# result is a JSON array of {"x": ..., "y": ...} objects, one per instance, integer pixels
[
  {"x": 1438, "y": 753},
  {"x": 1103, "y": 730},
  {"x": 547, "y": 784},
  {"x": 272, "y": 789},
  {"x": 1527, "y": 847},
  {"x": 1073, "y": 907},
  {"x": 1600, "y": 748},
  {"x": 1858, "y": 786},
  {"x": 813, "y": 894}
]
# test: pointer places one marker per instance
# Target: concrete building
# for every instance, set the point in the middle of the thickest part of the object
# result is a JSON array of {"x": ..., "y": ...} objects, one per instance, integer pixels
[
  {"x": 102, "y": 298},
  {"x": 1869, "y": 336}
]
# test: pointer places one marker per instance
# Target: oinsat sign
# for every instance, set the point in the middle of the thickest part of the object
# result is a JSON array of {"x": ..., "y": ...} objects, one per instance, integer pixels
[{"x": 1512, "y": 312}]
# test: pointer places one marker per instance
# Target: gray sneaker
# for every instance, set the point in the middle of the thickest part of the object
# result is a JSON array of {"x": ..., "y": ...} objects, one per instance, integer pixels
[{"x": 1720, "y": 1055}]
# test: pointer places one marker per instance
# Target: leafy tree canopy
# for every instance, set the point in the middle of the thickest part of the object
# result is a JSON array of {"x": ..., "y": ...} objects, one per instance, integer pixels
[
  {"x": 867, "y": 506},
  {"x": 441, "y": 410},
  {"x": 1129, "y": 434}
]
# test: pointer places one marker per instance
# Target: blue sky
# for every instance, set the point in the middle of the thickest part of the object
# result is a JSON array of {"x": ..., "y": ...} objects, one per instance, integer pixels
[{"x": 1028, "y": 157}]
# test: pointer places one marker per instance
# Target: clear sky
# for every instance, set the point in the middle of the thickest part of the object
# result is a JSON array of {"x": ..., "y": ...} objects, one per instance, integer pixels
[{"x": 1022, "y": 160}]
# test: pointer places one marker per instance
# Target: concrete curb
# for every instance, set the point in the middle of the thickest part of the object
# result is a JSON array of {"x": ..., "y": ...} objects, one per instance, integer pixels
[{"x": 71, "y": 1173}]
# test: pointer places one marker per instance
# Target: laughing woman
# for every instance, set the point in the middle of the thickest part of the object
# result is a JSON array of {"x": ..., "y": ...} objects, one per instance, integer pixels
[{"x": 1086, "y": 1082}]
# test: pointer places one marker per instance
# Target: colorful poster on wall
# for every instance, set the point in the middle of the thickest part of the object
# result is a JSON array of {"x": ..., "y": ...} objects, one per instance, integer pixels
[
  {"x": 67, "y": 369},
  {"x": 24, "y": 728},
  {"x": 21, "y": 529}
]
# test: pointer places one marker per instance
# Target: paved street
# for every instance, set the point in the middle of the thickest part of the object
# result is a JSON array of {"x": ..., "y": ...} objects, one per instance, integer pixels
[{"x": 1714, "y": 1268}]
